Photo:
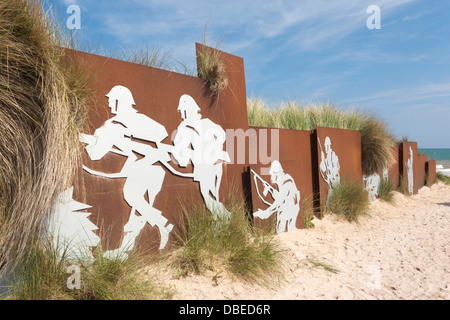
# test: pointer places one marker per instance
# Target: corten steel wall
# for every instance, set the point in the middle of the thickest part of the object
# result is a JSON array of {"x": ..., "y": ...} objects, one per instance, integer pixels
[
  {"x": 430, "y": 171},
  {"x": 156, "y": 93},
  {"x": 421, "y": 170},
  {"x": 347, "y": 146},
  {"x": 404, "y": 156},
  {"x": 294, "y": 155}
]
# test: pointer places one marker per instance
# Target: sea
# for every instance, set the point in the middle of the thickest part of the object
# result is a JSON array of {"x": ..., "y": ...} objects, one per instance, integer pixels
[
  {"x": 437, "y": 154},
  {"x": 441, "y": 155}
]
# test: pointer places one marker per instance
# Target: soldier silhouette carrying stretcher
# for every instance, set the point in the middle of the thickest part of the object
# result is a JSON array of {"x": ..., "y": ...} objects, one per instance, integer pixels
[
  {"x": 142, "y": 176},
  {"x": 200, "y": 141}
]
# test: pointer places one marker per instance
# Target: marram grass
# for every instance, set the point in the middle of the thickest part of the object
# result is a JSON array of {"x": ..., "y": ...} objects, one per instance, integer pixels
[
  {"x": 229, "y": 245},
  {"x": 386, "y": 191},
  {"x": 441, "y": 177},
  {"x": 349, "y": 200},
  {"x": 41, "y": 111},
  {"x": 210, "y": 67},
  {"x": 150, "y": 57},
  {"x": 376, "y": 140},
  {"x": 44, "y": 276}
]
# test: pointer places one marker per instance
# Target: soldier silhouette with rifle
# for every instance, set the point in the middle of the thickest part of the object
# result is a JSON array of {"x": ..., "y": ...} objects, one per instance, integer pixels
[
  {"x": 142, "y": 176},
  {"x": 286, "y": 204},
  {"x": 200, "y": 141}
]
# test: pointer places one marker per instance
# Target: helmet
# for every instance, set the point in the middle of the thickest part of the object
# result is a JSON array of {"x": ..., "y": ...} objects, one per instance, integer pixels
[
  {"x": 327, "y": 142},
  {"x": 122, "y": 94},
  {"x": 275, "y": 168},
  {"x": 187, "y": 103}
]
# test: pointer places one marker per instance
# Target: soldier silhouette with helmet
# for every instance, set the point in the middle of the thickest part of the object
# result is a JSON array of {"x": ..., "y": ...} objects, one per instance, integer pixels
[
  {"x": 200, "y": 141},
  {"x": 142, "y": 176},
  {"x": 286, "y": 204}
]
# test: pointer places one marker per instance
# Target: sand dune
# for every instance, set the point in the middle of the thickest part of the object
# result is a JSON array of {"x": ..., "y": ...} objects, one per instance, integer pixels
[{"x": 399, "y": 252}]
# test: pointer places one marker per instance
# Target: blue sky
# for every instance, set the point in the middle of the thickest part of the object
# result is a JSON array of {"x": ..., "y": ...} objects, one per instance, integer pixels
[{"x": 307, "y": 50}]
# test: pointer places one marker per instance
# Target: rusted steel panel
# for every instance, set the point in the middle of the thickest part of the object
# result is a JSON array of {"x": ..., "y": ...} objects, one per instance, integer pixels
[
  {"x": 156, "y": 94},
  {"x": 430, "y": 171},
  {"x": 410, "y": 166},
  {"x": 339, "y": 157},
  {"x": 421, "y": 170},
  {"x": 294, "y": 156}
]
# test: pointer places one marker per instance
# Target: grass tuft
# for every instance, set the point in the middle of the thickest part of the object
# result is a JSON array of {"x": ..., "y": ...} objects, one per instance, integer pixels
[
  {"x": 44, "y": 276},
  {"x": 349, "y": 200},
  {"x": 308, "y": 212},
  {"x": 210, "y": 67},
  {"x": 319, "y": 264},
  {"x": 143, "y": 55},
  {"x": 109, "y": 279},
  {"x": 442, "y": 177},
  {"x": 229, "y": 245},
  {"x": 386, "y": 191}
]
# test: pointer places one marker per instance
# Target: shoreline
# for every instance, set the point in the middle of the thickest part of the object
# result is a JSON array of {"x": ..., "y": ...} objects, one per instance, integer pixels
[
  {"x": 444, "y": 163},
  {"x": 445, "y": 170}
]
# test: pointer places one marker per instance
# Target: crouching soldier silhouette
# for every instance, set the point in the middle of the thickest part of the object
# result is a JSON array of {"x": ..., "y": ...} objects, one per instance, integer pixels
[
  {"x": 286, "y": 204},
  {"x": 142, "y": 176},
  {"x": 200, "y": 141}
]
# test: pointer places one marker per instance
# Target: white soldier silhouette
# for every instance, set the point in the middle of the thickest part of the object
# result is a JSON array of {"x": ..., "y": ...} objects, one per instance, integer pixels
[
  {"x": 70, "y": 230},
  {"x": 142, "y": 176},
  {"x": 329, "y": 167},
  {"x": 286, "y": 204},
  {"x": 410, "y": 172},
  {"x": 200, "y": 141},
  {"x": 372, "y": 185}
]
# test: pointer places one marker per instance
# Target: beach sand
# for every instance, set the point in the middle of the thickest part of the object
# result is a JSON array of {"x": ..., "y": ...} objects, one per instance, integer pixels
[{"x": 400, "y": 251}]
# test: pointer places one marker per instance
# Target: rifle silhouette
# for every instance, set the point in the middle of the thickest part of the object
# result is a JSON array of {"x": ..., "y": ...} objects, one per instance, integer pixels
[
  {"x": 145, "y": 150},
  {"x": 267, "y": 187}
]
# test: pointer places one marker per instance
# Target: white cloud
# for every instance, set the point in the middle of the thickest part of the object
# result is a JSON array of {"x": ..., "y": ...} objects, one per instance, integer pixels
[
  {"x": 420, "y": 112},
  {"x": 69, "y": 2},
  {"x": 246, "y": 25},
  {"x": 407, "y": 95},
  {"x": 408, "y": 18}
]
